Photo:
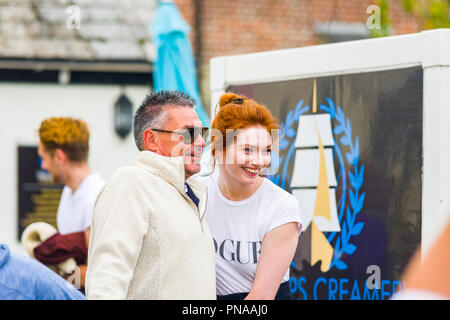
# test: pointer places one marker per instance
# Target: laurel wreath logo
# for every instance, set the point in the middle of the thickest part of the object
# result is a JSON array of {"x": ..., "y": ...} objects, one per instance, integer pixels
[
  {"x": 349, "y": 226},
  {"x": 342, "y": 131},
  {"x": 287, "y": 137}
]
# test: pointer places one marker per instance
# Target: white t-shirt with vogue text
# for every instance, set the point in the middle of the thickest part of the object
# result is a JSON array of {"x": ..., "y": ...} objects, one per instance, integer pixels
[
  {"x": 75, "y": 209},
  {"x": 238, "y": 229}
]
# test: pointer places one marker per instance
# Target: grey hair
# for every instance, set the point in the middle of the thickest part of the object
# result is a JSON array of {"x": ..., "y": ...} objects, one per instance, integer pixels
[{"x": 152, "y": 113}]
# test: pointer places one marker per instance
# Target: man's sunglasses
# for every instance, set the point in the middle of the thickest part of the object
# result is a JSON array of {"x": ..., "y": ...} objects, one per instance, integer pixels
[{"x": 189, "y": 134}]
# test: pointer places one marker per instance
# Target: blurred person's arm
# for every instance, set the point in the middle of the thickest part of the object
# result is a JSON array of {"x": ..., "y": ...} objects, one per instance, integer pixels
[
  {"x": 83, "y": 268},
  {"x": 118, "y": 228},
  {"x": 277, "y": 251},
  {"x": 431, "y": 274}
]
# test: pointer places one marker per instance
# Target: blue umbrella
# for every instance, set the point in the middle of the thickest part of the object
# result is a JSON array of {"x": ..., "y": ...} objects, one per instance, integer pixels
[{"x": 174, "y": 68}]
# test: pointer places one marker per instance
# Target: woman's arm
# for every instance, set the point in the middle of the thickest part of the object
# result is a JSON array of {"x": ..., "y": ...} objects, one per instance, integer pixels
[{"x": 277, "y": 251}]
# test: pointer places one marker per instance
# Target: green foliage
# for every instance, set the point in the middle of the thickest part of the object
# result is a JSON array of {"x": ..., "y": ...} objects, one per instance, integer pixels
[
  {"x": 434, "y": 14},
  {"x": 385, "y": 29},
  {"x": 409, "y": 5},
  {"x": 439, "y": 15}
]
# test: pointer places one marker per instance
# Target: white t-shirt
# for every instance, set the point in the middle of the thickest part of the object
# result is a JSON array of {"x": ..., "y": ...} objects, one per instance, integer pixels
[
  {"x": 75, "y": 210},
  {"x": 239, "y": 227}
]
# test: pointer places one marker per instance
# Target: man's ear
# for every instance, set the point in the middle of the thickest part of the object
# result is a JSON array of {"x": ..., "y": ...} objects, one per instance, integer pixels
[
  {"x": 150, "y": 141},
  {"x": 60, "y": 155}
]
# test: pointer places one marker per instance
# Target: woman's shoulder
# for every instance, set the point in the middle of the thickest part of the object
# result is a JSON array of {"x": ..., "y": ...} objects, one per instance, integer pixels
[
  {"x": 277, "y": 191},
  {"x": 280, "y": 198},
  {"x": 283, "y": 207},
  {"x": 209, "y": 181}
]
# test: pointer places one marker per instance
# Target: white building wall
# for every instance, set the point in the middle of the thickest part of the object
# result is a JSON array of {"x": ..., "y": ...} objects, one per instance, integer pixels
[{"x": 24, "y": 106}]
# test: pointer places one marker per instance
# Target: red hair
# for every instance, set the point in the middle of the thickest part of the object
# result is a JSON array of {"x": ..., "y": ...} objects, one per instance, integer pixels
[{"x": 239, "y": 112}]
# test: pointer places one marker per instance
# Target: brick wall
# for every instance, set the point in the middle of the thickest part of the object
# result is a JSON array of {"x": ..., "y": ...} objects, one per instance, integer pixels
[
  {"x": 187, "y": 9},
  {"x": 230, "y": 27},
  {"x": 242, "y": 26}
]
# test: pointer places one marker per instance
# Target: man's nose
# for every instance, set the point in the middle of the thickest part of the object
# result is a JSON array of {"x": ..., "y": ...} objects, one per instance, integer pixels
[{"x": 200, "y": 141}]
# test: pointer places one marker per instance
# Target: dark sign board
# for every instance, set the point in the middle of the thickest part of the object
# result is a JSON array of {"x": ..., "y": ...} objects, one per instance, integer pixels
[
  {"x": 38, "y": 196},
  {"x": 359, "y": 237}
]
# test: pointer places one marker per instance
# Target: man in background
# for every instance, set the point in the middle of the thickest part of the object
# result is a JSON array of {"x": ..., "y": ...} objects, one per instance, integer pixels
[{"x": 64, "y": 150}]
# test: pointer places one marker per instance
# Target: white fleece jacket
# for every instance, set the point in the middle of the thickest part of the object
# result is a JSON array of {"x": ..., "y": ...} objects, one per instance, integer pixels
[{"x": 148, "y": 238}]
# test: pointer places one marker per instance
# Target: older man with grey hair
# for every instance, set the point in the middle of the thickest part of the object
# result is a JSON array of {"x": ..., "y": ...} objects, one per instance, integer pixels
[{"x": 148, "y": 236}]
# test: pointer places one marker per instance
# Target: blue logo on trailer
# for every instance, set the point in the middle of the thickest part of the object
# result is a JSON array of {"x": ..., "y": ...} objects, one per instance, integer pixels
[
  {"x": 347, "y": 214},
  {"x": 349, "y": 205}
]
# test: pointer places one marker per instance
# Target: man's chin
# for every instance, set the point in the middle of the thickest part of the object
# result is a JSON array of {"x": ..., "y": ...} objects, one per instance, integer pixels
[
  {"x": 56, "y": 180},
  {"x": 191, "y": 169},
  {"x": 194, "y": 161}
]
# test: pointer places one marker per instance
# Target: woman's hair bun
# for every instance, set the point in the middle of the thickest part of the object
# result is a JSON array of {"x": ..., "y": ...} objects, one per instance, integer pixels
[{"x": 228, "y": 97}]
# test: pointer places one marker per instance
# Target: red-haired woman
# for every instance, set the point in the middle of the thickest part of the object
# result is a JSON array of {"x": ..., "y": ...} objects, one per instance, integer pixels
[{"x": 255, "y": 224}]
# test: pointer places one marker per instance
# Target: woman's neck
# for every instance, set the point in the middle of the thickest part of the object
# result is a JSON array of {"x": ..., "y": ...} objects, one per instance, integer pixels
[{"x": 236, "y": 191}]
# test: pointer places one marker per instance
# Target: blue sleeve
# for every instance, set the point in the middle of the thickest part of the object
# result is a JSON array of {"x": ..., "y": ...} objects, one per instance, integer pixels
[
  {"x": 25, "y": 278},
  {"x": 51, "y": 286}
]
